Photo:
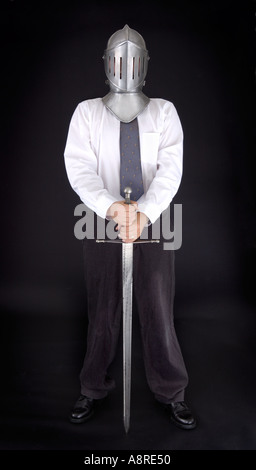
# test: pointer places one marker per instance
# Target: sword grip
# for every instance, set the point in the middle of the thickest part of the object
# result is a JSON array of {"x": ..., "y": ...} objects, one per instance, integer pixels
[{"x": 127, "y": 194}]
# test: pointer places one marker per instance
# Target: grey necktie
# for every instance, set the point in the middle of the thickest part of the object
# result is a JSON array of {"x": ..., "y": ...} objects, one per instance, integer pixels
[{"x": 130, "y": 164}]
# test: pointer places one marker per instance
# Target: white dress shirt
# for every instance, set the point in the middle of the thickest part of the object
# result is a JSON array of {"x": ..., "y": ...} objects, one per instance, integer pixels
[{"x": 92, "y": 156}]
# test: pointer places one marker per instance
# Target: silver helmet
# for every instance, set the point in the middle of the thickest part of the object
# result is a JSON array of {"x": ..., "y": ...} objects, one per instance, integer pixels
[
  {"x": 126, "y": 64},
  {"x": 126, "y": 60}
]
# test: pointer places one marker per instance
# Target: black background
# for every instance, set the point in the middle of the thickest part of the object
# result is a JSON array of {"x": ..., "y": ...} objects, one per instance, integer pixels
[{"x": 202, "y": 58}]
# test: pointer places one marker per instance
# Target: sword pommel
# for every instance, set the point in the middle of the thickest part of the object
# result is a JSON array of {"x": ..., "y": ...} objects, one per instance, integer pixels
[{"x": 127, "y": 194}]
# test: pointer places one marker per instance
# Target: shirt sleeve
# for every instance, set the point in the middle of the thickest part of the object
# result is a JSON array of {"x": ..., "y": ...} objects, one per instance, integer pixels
[
  {"x": 168, "y": 175},
  {"x": 81, "y": 164}
]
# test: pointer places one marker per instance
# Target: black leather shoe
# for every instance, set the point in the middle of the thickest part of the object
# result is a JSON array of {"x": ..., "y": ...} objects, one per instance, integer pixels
[
  {"x": 83, "y": 409},
  {"x": 181, "y": 415}
]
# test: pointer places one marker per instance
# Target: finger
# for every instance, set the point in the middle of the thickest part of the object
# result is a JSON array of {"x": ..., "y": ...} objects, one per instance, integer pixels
[
  {"x": 130, "y": 238},
  {"x": 134, "y": 207},
  {"x": 130, "y": 207},
  {"x": 130, "y": 220},
  {"x": 122, "y": 231},
  {"x": 127, "y": 233},
  {"x": 132, "y": 213}
]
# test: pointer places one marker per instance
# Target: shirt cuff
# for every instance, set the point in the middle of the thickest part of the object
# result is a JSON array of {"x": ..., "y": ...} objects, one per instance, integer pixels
[
  {"x": 104, "y": 205},
  {"x": 151, "y": 210}
]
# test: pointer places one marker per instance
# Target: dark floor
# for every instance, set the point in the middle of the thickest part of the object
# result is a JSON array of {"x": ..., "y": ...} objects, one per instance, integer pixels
[{"x": 42, "y": 356}]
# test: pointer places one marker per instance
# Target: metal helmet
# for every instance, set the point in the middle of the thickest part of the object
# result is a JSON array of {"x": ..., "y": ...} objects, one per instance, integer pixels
[{"x": 126, "y": 61}]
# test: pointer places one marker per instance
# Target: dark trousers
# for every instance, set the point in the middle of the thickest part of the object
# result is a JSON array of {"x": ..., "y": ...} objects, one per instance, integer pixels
[{"x": 154, "y": 285}]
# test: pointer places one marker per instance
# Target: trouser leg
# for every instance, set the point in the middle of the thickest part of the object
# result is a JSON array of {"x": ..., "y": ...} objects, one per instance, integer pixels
[
  {"x": 102, "y": 265},
  {"x": 154, "y": 280},
  {"x": 154, "y": 287}
]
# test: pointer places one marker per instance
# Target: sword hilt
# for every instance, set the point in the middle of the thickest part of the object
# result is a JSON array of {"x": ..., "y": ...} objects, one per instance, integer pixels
[{"x": 127, "y": 194}]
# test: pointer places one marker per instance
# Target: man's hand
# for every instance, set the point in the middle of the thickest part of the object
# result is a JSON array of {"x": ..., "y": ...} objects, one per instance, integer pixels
[
  {"x": 123, "y": 214},
  {"x": 129, "y": 222},
  {"x": 131, "y": 232}
]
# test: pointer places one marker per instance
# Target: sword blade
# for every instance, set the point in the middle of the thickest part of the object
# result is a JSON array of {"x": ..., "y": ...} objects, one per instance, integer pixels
[{"x": 127, "y": 274}]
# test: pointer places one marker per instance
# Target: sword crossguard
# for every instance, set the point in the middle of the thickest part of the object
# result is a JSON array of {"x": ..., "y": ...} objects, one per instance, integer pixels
[{"x": 127, "y": 194}]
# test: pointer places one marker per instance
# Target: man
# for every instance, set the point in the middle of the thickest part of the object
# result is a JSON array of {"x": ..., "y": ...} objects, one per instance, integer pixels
[{"x": 127, "y": 139}]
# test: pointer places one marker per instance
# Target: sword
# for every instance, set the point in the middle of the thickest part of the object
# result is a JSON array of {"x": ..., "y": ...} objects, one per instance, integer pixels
[
  {"x": 127, "y": 275},
  {"x": 127, "y": 278}
]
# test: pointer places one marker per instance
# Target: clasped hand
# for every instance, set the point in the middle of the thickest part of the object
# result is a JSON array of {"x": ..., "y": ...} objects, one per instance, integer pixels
[{"x": 130, "y": 222}]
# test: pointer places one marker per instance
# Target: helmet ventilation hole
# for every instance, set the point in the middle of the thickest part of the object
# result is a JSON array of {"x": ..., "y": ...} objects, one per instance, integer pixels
[{"x": 133, "y": 67}]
